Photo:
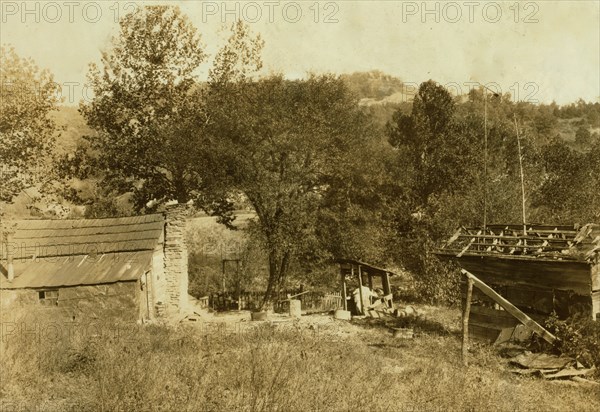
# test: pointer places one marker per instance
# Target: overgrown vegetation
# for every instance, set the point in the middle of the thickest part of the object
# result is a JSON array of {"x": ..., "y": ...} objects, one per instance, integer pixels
[
  {"x": 292, "y": 367},
  {"x": 579, "y": 338}
]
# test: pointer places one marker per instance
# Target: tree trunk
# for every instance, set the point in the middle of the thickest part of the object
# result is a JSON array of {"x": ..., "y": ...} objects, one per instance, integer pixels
[
  {"x": 273, "y": 276},
  {"x": 278, "y": 267}
]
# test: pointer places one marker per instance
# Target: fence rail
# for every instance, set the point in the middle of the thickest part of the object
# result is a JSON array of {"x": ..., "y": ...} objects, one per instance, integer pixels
[{"x": 312, "y": 301}]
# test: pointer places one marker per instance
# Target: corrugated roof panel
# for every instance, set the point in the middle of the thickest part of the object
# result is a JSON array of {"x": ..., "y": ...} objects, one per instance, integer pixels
[
  {"x": 82, "y": 223},
  {"x": 44, "y": 238},
  {"x": 73, "y": 240},
  {"x": 78, "y": 270},
  {"x": 30, "y": 251},
  {"x": 86, "y": 231}
]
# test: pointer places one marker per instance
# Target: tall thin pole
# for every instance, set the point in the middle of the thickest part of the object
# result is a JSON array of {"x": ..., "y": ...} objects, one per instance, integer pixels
[
  {"x": 360, "y": 291},
  {"x": 522, "y": 177},
  {"x": 465, "y": 320},
  {"x": 485, "y": 153}
]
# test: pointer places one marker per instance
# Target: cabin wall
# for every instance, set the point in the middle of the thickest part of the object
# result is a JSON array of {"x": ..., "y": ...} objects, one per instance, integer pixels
[
  {"x": 118, "y": 301},
  {"x": 16, "y": 299},
  {"x": 159, "y": 282},
  {"x": 488, "y": 320},
  {"x": 533, "y": 273}
]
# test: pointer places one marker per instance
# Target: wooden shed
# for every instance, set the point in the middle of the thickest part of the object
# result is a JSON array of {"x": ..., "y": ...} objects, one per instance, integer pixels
[
  {"x": 366, "y": 275},
  {"x": 540, "y": 269},
  {"x": 130, "y": 268}
]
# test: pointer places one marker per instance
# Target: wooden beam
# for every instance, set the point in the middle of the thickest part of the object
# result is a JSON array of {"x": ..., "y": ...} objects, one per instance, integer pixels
[
  {"x": 465, "y": 341},
  {"x": 455, "y": 236},
  {"x": 386, "y": 284},
  {"x": 362, "y": 309},
  {"x": 469, "y": 245},
  {"x": 510, "y": 308},
  {"x": 344, "y": 291}
]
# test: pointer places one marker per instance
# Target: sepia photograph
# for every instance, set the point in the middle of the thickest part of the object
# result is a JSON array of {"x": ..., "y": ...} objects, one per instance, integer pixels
[{"x": 299, "y": 206}]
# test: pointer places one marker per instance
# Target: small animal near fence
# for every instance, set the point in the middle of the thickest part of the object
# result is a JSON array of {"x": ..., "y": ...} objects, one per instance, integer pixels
[{"x": 312, "y": 301}]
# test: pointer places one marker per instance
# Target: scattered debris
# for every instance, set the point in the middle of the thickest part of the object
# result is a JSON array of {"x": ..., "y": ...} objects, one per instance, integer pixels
[
  {"x": 549, "y": 366},
  {"x": 542, "y": 361},
  {"x": 403, "y": 333}
]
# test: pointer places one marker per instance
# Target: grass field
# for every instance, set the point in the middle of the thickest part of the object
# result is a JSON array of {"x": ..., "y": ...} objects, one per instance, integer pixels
[{"x": 314, "y": 364}]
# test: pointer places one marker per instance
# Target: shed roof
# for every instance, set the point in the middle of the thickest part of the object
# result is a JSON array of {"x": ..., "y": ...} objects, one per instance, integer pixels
[
  {"x": 540, "y": 242},
  {"x": 51, "y": 253},
  {"x": 367, "y": 268}
]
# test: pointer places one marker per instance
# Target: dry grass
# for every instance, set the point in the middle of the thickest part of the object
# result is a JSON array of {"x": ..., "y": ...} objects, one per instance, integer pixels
[{"x": 312, "y": 365}]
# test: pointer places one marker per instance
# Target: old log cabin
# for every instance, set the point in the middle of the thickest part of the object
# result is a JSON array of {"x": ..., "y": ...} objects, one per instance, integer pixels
[
  {"x": 130, "y": 268},
  {"x": 540, "y": 269}
]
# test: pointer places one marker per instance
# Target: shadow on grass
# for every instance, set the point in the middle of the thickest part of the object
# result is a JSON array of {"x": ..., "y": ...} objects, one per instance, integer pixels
[{"x": 419, "y": 324}]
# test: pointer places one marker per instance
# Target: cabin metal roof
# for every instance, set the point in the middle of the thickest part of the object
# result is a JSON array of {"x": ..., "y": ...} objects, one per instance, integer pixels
[
  {"x": 545, "y": 242},
  {"x": 51, "y": 253},
  {"x": 77, "y": 270}
]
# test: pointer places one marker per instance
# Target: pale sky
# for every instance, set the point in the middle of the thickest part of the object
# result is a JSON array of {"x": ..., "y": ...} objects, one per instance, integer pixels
[{"x": 536, "y": 50}]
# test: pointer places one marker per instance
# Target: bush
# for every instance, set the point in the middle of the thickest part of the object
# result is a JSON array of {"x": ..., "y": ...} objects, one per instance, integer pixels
[{"x": 578, "y": 337}]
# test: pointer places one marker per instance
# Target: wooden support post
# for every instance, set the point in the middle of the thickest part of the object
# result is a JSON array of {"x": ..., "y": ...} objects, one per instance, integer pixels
[
  {"x": 387, "y": 290},
  {"x": 385, "y": 278},
  {"x": 238, "y": 285},
  {"x": 510, "y": 308},
  {"x": 362, "y": 309},
  {"x": 466, "y": 313},
  {"x": 343, "y": 279},
  {"x": 223, "y": 261}
]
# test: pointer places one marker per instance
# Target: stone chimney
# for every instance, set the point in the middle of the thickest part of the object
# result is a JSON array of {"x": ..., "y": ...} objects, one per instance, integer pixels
[{"x": 176, "y": 260}]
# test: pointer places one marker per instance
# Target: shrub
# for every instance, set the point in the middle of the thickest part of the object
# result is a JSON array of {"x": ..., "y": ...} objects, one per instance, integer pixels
[{"x": 578, "y": 337}]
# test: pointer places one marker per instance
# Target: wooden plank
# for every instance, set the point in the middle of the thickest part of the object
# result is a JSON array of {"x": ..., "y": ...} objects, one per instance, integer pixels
[
  {"x": 455, "y": 236},
  {"x": 488, "y": 316},
  {"x": 360, "y": 291},
  {"x": 468, "y": 246},
  {"x": 484, "y": 333},
  {"x": 596, "y": 276},
  {"x": 529, "y": 246},
  {"x": 466, "y": 313},
  {"x": 478, "y": 296},
  {"x": 556, "y": 274},
  {"x": 539, "y": 299},
  {"x": 528, "y": 238},
  {"x": 509, "y": 307},
  {"x": 568, "y": 373},
  {"x": 596, "y": 305}
]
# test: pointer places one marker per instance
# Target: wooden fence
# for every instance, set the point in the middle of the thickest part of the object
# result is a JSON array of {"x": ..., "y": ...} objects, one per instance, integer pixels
[{"x": 312, "y": 301}]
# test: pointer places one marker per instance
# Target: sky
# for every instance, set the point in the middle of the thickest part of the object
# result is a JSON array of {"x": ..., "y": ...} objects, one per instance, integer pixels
[{"x": 539, "y": 51}]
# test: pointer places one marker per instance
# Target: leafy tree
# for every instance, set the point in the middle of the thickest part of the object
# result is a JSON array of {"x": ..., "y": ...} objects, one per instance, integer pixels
[
  {"x": 282, "y": 143},
  {"x": 583, "y": 137},
  {"x": 436, "y": 152},
  {"x": 146, "y": 108},
  {"x": 569, "y": 191},
  {"x": 373, "y": 84},
  {"x": 27, "y": 133}
]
